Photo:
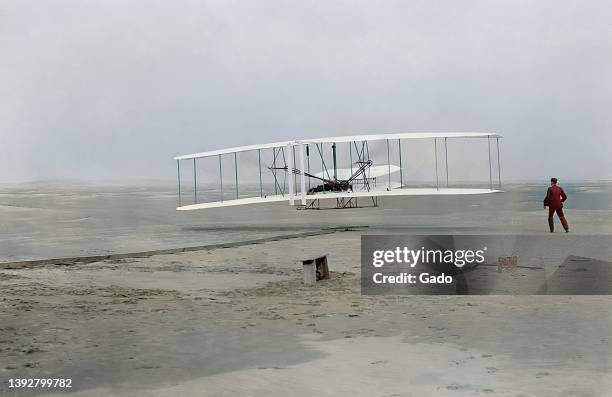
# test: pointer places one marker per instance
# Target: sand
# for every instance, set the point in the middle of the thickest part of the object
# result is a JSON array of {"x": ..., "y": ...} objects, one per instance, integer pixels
[{"x": 238, "y": 321}]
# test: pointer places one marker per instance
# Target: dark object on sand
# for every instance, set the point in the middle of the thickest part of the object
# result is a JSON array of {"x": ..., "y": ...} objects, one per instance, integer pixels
[
  {"x": 507, "y": 263},
  {"x": 315, "y": 269}
]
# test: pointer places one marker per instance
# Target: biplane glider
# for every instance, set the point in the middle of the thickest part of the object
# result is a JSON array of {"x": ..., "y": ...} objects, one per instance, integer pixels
[{"x": 304, "y": 172}]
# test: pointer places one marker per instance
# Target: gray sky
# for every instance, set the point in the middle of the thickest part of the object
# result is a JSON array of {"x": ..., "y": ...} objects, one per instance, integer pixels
[{"x": 112, "y": 90}]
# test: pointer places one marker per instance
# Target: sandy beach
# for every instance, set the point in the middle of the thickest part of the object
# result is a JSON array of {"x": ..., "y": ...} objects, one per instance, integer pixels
[{"x": 238, "y": 321}]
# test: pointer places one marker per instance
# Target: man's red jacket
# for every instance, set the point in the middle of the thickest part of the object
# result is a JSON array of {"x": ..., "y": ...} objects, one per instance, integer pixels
[{"x": 555, "y": 196}]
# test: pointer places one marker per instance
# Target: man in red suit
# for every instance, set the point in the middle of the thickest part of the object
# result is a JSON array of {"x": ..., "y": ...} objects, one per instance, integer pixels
[{"x": 555, "y": 196}]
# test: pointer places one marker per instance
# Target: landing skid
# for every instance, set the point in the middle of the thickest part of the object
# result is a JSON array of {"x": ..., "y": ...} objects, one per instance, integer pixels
[{"x": 348, "y": 202}]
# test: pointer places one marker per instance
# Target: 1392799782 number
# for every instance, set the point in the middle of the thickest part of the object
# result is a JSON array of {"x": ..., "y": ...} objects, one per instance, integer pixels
[{"x": 15, "y": 383}]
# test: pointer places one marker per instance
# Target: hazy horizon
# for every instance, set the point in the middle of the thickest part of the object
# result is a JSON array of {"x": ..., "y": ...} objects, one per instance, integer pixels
[{"x": 171, "y": 183}]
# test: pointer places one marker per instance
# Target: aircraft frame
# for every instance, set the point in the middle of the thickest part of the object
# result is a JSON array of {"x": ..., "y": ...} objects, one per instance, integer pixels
[{"x": 293, "y": 159}]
